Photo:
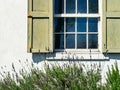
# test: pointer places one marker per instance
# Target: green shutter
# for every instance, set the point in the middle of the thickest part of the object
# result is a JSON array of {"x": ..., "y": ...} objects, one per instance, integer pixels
[
  {"x": 111, "y": 26},
  {"x": 40, "y": 26}
]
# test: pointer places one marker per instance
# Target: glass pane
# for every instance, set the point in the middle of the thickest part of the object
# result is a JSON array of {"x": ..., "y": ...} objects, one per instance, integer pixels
[
  {"x": 81, "y": 24},
  {"x": 81, "y": 41},
  {"x": 59, "y": 41},
  {"x": 59, "y": 24},
  {"x": 59, "y": 6},
  {"x": 70, "y": 24},
  {"x": 93, "y": 25},
  {"x": 93, "y": 6},
  {"x": 70, "y": 6},
  {"x": 92, "y": 41},
  {"x": 70, "y": 41},
  {"x": 82, "y": 6}
]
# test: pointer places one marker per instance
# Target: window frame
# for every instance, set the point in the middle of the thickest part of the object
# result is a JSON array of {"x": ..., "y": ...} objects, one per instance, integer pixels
[{"x": 82, "y": 15}]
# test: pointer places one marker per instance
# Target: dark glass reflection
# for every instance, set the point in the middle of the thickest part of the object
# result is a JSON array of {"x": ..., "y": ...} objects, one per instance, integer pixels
[
  {"x": 70, "y": 6},
  {"x": 81, "y": 41},
  {"x": 82, "y": 6},
  {"x": 92, "y": 41},
  {"x": 59, "y": 41},
  {"x": 70, "y": 41},
  {"x": 70, "y": 24},
  {"x": 59, "y": 6},
  {"x": 59, "y": 24},
  {"x": 81, "y": 24},
  {"x": 92, "y": 24},
  {"x": 93, "y": 6}
]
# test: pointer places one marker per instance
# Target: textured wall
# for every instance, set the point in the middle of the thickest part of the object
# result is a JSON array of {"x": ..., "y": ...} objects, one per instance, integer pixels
[{"x": 13, "y": 37}]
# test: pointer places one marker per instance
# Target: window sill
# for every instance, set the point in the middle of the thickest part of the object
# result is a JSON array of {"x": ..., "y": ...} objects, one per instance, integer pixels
[
  {"x": 77, "y": 55},
  {"x": 77, "y": 51}
]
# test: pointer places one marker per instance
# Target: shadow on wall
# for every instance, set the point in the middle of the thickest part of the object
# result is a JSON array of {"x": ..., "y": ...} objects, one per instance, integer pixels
[
  {"x": 37, "y": 58},
  {"x": 113, "y": 56}
]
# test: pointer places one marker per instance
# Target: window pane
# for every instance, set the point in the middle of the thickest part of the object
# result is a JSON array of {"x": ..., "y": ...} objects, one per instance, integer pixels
[
  {"x": 82, "y": 6},
  {"x": 59, "y": 24},
  {"x": 81, "y": 24},
  {"x": 70, "y": 24},
  {"x": 81, "y": 41},
  {"x": 70, "y": 6},
  {"x": 93, "y": 25},
  {"x": 93, "y": 6},
  {"x": 59, "y": 6},
  {"x": 92, "y": 41},
  {"x": 59, "y": 41},
  {"x": 70, "y": 41}
]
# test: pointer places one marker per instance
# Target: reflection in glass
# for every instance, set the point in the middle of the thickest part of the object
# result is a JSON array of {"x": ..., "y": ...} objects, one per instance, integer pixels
[
  {"x": 93, "y": 6},
  {"x": 59, "y": 41},
  {"x": 70, "y": 41},
  {"x": 82, "y": 6},
  {"x": 92, "y": 24},
  {"x": 81, "y": 41},
  {"x": 70, "y": 6},
  {"x": 59, "y": 24},
  {"x": 81, "y": 24},
  {"x": 70, "y": 24},
  {"x": 92, "y": 41},
  {"x": 59, "y": 6}
]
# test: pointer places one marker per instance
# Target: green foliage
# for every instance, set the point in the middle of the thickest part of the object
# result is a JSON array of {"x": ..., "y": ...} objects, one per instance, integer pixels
[
  {"x": 55, "y": 77},
  {"x": 113, "y": 77}
]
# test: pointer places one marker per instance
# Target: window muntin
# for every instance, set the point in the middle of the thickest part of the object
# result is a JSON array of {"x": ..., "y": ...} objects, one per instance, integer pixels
[{"x": 77, "y": 24}]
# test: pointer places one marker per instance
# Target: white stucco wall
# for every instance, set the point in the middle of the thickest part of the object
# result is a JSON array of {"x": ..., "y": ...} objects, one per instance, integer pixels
[{"x": 13, "y": 37}]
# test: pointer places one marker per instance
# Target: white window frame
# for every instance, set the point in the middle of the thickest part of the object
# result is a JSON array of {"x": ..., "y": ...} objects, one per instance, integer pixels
[{"x": 81, "y": 15}]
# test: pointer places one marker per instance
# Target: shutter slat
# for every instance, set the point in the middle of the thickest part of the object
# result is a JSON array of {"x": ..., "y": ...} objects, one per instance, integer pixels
[
  {"x": 39, "y": 14},
  {"x": 113, "y": 14},
  {"x": 29, "y": 35}
]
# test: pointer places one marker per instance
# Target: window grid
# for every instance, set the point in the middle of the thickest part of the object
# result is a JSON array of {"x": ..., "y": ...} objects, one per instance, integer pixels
[
  {"x": 87, "y": 7},
  {"x": 64, "y": 32},
  {"x": 76, "y": 16},
  {"x": 87, "y": 33},
  {"x": 76, "y": 26},
  {"x": 75, "y": 33}
]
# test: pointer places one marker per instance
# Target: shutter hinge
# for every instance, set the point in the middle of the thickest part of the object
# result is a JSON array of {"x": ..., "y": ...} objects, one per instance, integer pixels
[
  {"x": 47, "y": 48},
  {"x": 99, "y": 18},
  {"x": 105, "y": 46},
  {"x": 30, "y": 49}
]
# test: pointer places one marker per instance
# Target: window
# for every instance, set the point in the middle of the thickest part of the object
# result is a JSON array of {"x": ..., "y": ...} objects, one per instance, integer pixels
[{"x": 76, "y": 24}]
